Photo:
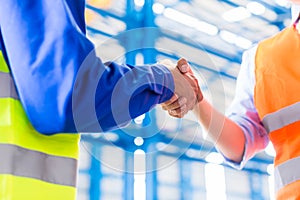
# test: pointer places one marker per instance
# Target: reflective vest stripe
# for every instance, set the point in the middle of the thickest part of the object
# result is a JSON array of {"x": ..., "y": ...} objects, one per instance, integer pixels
[
  {"x": 3, "y": 65},
  {"x": 287, "y": 173},
  {"x": 22, "y": 188},
  {"x": 32, "y": 164},
  {"x": 282, "y": 117},
  {"x": 7, "y": 87}
]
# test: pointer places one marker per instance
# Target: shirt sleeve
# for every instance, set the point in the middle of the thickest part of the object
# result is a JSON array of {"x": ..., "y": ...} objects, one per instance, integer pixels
[
  {"x": 243, "y": 112},
  {"x": 62, "y": 84}
]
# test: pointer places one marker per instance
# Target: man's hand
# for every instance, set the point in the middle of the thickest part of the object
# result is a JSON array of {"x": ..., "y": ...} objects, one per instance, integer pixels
[
  {"x": 185, "y": 68},
  {"x": 187, "y": 92}
]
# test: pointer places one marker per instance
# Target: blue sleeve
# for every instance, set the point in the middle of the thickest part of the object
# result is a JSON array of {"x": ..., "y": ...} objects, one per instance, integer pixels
[{"x": 62, "y": 84}]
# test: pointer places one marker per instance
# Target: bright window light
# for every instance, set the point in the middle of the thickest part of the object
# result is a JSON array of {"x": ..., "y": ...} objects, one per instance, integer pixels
[
  {"x": 236, "y": 14},
  {"x": 191, "y": 153},
  {"x": 180, "y": 17},
  {"x": 110, "y": 136},
  {"x": 214, "y": 157},
  {"x": 138, "y": 141},
  {"x": 243, "y": 42},
  {"x": 256, "y": 8},
  {"x": 139, "y": 3},
  {"x": 235, "y": 39},
  {"x": 283, "y": 3},
  {"x": 206, "y": 28},
  {"x": 228, "y": 36},
  {"x": 139, "y": 59},
  {"x": 139, "y": 175},
  {"x": 139, "y": 119},
  {"x": 190, "y": 21},
  {"x": 158, "y": 8},
  {"x": 215, "y": 182}
]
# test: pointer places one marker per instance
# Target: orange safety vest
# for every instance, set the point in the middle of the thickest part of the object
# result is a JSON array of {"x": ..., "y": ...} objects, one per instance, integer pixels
[{"x": 277, "y": 99}]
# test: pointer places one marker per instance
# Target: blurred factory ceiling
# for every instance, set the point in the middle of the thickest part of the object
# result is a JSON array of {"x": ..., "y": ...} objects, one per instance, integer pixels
[{"x": 211, "y": 34}]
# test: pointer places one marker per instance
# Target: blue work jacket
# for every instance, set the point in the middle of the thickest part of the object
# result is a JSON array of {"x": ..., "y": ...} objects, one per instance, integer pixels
[{"x": 62, "y": 84}]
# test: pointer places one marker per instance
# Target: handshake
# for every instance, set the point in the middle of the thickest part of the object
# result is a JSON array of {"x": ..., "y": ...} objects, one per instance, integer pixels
[{"x": 187, "y": 92}]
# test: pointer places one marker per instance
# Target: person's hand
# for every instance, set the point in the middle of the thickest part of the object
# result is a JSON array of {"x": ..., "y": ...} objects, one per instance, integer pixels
[
  {"x": 187, "y": 92},
  {"x": 176, "y": 106},
  {"x": 185, "y": 68}
]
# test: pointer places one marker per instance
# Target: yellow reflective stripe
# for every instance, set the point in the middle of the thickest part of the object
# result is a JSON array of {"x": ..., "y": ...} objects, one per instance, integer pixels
[
  {"x": 19, "y": 131},
  {"x": 3, "y": 65},
  {"x": 23, "y": 162},
  {"x": 22, "y": 188}
]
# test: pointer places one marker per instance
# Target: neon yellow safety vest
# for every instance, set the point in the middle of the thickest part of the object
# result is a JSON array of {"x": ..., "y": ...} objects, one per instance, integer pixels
[{"x": 32, "y": 166}]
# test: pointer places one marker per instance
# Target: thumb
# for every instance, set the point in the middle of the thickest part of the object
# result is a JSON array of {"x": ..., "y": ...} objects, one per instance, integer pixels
[{"x": 183, "y": 65}]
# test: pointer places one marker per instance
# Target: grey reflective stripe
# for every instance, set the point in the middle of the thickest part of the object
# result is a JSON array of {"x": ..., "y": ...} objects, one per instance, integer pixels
[
  {"x": 282, "y": 117},
  {"x": 23, "y": 162},
  {"x": 287, "y": 173},
  {"x": 7, "y": 86}
]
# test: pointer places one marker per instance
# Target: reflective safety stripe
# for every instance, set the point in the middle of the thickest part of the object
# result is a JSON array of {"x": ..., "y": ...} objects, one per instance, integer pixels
[
  {"x": 23, "y": 162},
  {"x": 287, "y": 173},
  {"x": 7, "y": 87},
  {"x": 3, "y": 65},
  {"x": 282, "y": 117}
]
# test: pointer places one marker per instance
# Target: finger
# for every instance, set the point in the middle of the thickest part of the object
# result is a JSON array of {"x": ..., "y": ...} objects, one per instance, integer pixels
[
  {"x": 176, "y": 104},
  {"x": 166, "y": 104},
  {"x": 183, "y": 66},
  {"x": 179, "y": 112},
  {"x": 173, "y": 114}
]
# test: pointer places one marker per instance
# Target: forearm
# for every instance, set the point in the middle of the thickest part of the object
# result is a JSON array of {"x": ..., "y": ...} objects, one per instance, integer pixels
[
  {"x": 62, "y": 84},
  {"x": 130, "y": 91},
  {"x": 227, "y": 135}
]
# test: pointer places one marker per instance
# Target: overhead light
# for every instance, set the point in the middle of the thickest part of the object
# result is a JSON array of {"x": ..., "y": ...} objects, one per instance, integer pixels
[
  {"x": 139, "y": 3},
  {"x": 256, "y": 8},
  {"x": 207, "y": 28},
  {"x": 110, "y": 136},
  {"x": 190, "y": 21},
  {"x": 180, "y": 17},
  {"x": 228, "y": 36},
  {"x": 158, "y": 8},
  {"x": 235, "y": 39},
  {"x": 139, "y": 119},
  {"x": 236, "y": 14},
  {"x": 283, "y": 3},
  {"x": 138, "y": 141},
  {"x": 191, "y": 153},
  {"x": 167, "y": 147},
  {"x": 243, "y": 42}
]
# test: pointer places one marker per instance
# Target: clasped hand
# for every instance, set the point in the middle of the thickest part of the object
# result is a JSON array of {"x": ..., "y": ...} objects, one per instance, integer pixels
[{"x": 187, "y": 91}]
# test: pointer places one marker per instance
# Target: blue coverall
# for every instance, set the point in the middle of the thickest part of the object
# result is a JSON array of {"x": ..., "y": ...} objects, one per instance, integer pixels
[{"x": 62, "y": 84}]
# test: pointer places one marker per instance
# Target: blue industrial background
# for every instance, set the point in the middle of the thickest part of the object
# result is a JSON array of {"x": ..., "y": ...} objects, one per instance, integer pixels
[{"x": 157, "y": 156}]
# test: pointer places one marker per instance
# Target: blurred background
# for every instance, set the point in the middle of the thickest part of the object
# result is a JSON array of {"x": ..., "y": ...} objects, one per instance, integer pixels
[{"x": 157, "y": 156}]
